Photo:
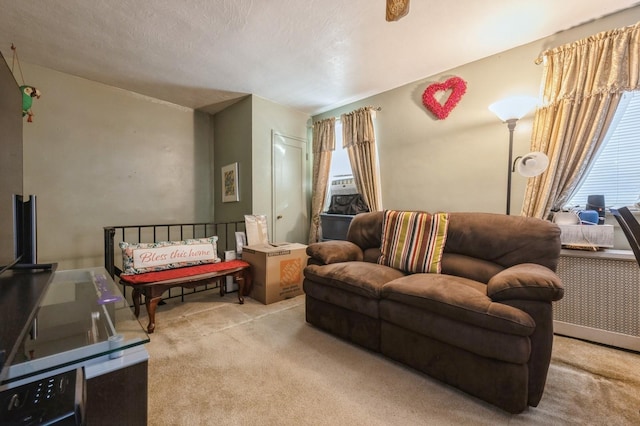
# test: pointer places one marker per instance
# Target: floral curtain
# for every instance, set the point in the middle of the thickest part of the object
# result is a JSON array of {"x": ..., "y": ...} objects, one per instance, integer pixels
[
  {"x": 358, "y": 137},
  {"x": 582, "y": 84},
  {"x": 324, "y": 142}
]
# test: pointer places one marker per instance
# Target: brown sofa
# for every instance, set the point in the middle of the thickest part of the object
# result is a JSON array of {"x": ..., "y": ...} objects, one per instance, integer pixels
[{"x": 484, "y": 324}]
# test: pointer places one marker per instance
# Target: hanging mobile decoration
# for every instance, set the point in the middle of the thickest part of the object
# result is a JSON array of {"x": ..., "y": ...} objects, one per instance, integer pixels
[
  {"x": 458, "y": 88},
  {"x": 28, "y": 92}
]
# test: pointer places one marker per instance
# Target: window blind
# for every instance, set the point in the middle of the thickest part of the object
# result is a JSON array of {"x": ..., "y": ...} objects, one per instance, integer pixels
[{"x": 615, "y": 173}]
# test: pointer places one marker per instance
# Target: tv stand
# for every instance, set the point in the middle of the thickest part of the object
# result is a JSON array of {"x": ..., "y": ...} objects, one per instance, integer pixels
[
  {"x": 32, "y": 266},
  {"x": 21, "y": 292},
  {"x": 76, "y": 328}
]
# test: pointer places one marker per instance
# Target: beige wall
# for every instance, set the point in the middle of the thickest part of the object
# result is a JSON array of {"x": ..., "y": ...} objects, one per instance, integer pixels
[
  {"x": 460, "y": 163},
  {"x": 242, "y": 133},
  {"x": 96, "y": 156},
  {"x": 267, "y": 117}
]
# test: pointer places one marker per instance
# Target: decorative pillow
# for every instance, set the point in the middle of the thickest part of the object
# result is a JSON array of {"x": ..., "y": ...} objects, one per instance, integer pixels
[
  {"x": 148, "y": 257},
  {"x": 413, "y": 241}
]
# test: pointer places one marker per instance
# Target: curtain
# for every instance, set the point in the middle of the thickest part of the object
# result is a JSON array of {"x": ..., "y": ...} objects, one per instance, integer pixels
[
  {"x": 359, "y": 139},
  {"x": 582, "y": 84},
  {"x": 324, "y": 142}
]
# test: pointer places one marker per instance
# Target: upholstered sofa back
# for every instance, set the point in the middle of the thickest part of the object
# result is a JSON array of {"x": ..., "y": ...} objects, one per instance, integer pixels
[{"x": 478, "y": 245}]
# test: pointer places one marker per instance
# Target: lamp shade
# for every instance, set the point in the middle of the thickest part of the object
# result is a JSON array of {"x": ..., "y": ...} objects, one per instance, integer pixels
[
  {"x": 532, "y": 164},
  {"x": 514, "y": 107}
]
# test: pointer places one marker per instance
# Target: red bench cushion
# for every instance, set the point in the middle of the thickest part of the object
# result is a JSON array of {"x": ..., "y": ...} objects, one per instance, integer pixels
[{"x": 189, "y": 271}]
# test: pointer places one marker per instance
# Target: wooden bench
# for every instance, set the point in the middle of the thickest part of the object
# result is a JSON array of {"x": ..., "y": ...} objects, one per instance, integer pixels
[{"x": 153, "y": 284}]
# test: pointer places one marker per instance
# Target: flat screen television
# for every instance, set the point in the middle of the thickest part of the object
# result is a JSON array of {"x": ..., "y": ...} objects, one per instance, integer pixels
[{"x": 11, "y": 173}]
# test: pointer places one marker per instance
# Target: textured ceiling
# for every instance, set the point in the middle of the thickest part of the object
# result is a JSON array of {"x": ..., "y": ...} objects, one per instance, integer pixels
[{"x": 311, "y": 55}]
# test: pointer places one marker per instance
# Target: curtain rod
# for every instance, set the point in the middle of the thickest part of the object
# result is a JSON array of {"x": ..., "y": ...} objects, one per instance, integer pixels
[{"x": 338, "y": 117}]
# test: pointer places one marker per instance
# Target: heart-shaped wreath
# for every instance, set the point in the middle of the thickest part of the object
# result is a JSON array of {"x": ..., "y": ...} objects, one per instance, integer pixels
[{"x": 458, "y": 88}]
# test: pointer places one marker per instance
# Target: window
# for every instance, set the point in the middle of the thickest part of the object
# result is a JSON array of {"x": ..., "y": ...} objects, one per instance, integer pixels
[
  {"x": 340, "y": 175},
  {"x": 615, "y": 172},
  {"x": 340, "y": 165}
]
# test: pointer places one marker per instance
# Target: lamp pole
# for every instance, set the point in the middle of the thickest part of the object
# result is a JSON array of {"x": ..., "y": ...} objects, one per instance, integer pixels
[
  {"x": 510, "y": 110},
  {"x": 511, "y": 124}
]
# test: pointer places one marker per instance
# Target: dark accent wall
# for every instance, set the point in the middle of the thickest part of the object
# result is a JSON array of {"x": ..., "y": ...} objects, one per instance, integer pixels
[{"x": 232, "y": 143}]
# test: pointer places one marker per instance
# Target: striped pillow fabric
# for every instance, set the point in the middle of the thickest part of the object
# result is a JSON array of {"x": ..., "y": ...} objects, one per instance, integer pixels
[{"x": 413, "y": 241}]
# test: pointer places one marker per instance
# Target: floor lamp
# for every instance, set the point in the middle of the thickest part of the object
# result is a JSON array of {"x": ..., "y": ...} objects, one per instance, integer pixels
[{"x": 510, "y": 110}]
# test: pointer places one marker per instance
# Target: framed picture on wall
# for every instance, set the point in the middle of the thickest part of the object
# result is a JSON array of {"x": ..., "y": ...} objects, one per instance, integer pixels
[{"x": 230, "y": 190}]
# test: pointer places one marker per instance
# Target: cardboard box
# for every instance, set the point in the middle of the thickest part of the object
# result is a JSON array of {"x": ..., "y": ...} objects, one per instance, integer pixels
[{"x": 277, "y": 270}]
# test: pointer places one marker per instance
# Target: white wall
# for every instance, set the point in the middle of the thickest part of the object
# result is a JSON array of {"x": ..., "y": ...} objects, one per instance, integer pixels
[{"x": 97, "y": 156}]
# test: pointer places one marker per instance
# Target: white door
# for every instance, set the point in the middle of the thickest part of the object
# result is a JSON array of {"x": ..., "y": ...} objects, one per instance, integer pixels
[{"x": 290, "y": 210}]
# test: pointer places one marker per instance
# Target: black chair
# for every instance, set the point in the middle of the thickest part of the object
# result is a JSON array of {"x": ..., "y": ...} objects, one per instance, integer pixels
[{"x": 630, "y": 227}]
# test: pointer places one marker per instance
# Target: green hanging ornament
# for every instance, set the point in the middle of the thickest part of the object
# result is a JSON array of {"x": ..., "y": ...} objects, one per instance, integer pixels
[{"x": 28, "y": 92}]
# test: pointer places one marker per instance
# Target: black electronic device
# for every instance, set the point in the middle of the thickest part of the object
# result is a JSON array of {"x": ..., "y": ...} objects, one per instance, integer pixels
[
  {"x": 17, "y": 211},
  {"x": 58, "y": 399},
  {"x": 596, "y": 202},
  {"x": 11, "y": 176}
]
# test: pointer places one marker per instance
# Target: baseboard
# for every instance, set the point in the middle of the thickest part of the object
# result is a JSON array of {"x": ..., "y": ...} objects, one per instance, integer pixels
[{"x": 597, "y": 335}]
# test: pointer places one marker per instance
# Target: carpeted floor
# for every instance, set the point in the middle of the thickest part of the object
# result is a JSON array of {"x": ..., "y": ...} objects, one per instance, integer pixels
[{"x": 213, "y": 361}]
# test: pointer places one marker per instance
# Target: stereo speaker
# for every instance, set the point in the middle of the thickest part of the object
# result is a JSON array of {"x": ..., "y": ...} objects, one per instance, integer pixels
[{"x": 596, "y": 202}]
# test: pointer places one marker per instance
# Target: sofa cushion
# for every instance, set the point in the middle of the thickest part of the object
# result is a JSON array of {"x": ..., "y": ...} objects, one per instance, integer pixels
[
  {"x": 504, "y": 240},
  {"x": 365, "y": 230},
  {"x": 372, "y": 255},
  {"x": 460, "y": 299},
  {"x": 363, "y": 278},
  {"x": 527, "y": 281},
  {"x": 413, "y": 241},
  {"x": 334, "y": 251},
  {"x": 469, "y": 267}
]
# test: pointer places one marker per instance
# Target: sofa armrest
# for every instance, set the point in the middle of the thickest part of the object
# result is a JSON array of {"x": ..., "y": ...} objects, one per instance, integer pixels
[
  {"x": 328, "y": 252},
  {"x": 526, "y": 281}
]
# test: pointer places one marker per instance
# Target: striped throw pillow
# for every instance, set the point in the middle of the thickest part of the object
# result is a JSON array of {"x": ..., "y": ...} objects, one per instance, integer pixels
[{"x": 413, "y": 241}]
